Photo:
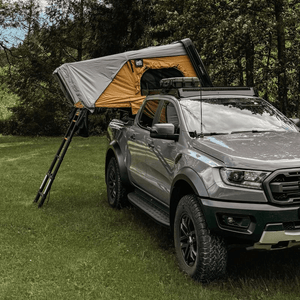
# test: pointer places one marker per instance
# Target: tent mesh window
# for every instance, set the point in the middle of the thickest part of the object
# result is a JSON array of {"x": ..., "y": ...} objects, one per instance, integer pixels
[{"x": 150, "y": 81}]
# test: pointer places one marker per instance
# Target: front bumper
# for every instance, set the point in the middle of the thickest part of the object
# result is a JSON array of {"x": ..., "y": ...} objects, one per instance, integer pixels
[
  {"x": 277, "y": 239},
  {"x": 263, "y": 226}
]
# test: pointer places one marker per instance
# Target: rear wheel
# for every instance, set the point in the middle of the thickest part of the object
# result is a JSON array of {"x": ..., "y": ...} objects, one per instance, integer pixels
[
  {"x": 116, "y": 193},
  {"x": 200, "y": 254}
]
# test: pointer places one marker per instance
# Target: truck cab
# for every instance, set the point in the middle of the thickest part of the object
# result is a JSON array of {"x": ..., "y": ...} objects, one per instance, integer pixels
[{"x": 218, "y": 166}]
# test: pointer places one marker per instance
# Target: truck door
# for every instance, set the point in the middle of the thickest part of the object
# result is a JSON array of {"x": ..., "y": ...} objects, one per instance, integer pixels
[
  {"x": 161, "y": 164},
  {"x": 139, "y": 152}
]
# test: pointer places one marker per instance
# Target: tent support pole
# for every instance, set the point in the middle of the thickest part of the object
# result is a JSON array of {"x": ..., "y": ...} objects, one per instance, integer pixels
[
  {"x": 197, "y": 63},
  {"x": 58, "y": 158}
]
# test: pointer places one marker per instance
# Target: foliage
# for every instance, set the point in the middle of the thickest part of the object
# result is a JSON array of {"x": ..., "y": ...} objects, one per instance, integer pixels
[
  {"x": 7, "y": 99},
  {"x": 71, "y": 31},
  {"x": 253, "y": 42},
  {"x": 29, "y": 68},
  {"x": 250, "y": 43},
  {"x": 118, "y": 26}
]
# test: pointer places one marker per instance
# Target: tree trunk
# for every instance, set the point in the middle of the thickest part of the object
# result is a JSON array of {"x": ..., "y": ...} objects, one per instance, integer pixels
[
  {"x": 240, "y": 69},
  {"x": 81, "y": 31},
  {"x": 249, "y": 61},
  {"x": 280, "y": 29},
  {"x": 266, "y": 69}
]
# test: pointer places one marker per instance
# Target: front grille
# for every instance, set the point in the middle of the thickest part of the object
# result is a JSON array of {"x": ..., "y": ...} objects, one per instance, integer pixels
[
  {"x": 291, "y": 225},
  {"x": 283, "y": 187}
]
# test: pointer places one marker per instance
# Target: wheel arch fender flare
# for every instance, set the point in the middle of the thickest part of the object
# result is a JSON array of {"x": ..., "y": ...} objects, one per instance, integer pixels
[
  {"x": 114, "y": 150},
  {"x": 193, "y": 179},
  {"x": 186, "y": 182}
]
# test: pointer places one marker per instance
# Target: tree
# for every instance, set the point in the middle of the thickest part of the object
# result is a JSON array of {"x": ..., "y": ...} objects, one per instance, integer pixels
[
  {"x": 252, "y": 42},
  {"x": 241, "y": 43},
  {"x": 71, "y": 31},
  {"x": 29, "y": 76},
  {"x": 118, "y": 26}
]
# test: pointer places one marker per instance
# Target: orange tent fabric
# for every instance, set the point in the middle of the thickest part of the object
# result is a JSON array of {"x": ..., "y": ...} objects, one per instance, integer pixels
[{"x": 125, "y": 89}]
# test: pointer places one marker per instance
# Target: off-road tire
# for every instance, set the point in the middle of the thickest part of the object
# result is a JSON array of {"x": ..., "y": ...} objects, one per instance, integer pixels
[
  {"x": 116, "y": 192},
  {"x": 200, "y": 254}
]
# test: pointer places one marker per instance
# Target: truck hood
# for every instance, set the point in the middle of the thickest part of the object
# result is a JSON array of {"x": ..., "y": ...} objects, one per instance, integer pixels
[{"x": 264, "y": 151}]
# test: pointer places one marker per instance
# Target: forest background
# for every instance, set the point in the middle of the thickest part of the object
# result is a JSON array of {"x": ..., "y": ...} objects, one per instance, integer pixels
[{"x": 241, "y": 42}]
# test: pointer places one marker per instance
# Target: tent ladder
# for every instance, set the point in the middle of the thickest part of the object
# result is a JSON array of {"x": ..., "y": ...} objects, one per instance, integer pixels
[{"x": 58, "y": 158}]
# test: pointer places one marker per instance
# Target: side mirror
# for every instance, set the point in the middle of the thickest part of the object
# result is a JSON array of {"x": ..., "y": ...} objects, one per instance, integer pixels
[
  {"x": 164, "y": 131},
  {"x": 296, "y": 122}
]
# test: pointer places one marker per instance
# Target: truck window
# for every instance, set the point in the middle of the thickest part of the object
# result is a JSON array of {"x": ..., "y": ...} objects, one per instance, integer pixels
[
  {"x": 168, "y": 114},
  {"x": 148, "y": 113}
]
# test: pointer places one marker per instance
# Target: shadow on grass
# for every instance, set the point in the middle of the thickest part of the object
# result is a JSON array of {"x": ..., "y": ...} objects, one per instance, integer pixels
[
  {"x": 160, "y": 234},
  {"x": 269, "y": 265},
  {"x": 251, "y": 268}
]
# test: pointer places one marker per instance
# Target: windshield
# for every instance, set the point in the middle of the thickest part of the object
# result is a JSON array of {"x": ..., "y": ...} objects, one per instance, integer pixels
[{"x": 234, "y": 115}]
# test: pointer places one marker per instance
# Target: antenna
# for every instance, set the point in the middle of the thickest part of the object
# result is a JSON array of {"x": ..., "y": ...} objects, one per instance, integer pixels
[{"x": 201, "y": 115}]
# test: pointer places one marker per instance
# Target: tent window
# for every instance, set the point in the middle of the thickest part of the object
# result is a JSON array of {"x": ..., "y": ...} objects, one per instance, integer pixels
[{"x": 150, "y": 80}]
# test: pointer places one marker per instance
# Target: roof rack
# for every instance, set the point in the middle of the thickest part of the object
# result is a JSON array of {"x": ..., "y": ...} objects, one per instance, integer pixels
[
  {"x": 179, "y": 82},
  {"x": 238, "y": 91},
  {"x": 182, "y": 87}
]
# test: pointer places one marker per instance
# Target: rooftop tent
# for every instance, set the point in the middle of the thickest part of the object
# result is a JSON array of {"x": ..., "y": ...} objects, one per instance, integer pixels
[
  {"x": 119, "y": 81},
  {"x": 122, "y": 80}
]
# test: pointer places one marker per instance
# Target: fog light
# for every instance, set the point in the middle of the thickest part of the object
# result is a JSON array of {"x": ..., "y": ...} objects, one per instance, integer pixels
[
  {"x": 230, "y": 220},
  {"x": 239, "y": 222}
]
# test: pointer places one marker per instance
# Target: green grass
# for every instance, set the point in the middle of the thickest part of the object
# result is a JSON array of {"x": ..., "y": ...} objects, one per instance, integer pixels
[{"x": 77, "y": 247}]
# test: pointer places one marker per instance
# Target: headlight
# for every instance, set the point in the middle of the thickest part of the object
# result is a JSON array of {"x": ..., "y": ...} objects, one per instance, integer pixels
[{"x": 244, "y": 178}]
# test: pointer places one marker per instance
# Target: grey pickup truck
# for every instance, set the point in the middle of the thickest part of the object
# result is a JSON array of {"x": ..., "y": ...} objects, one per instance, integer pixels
[{"x": 218, "y": 166}]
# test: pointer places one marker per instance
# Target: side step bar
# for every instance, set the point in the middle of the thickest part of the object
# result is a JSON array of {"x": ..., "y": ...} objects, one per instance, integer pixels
[
  {"x": 58, "y": 158},
  {"x": 151, "y": 207}
]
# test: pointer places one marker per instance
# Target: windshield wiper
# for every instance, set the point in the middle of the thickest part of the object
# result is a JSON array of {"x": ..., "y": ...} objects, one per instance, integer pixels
[
  {"x": 195, "y": 134},
  {"x": 214, "y": 133},
  {"x": 251, "y": 131}
]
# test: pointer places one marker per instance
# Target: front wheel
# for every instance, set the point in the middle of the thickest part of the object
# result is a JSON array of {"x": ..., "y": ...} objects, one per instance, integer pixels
[
  {"x": 116, "y": 193},
  {"x": 200, "y": 254}
]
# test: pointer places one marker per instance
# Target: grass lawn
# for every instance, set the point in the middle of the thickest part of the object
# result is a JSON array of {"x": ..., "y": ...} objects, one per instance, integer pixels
[{"x": 77, "y": 247}]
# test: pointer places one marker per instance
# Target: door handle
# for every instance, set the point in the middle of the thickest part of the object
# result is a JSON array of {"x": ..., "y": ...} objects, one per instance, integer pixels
[{"x": 132, "y": 136}]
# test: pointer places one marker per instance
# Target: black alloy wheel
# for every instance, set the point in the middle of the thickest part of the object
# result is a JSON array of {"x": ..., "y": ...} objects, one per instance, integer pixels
[
  {"x": 188, "y": 240},
  {"x": 201, "y": 254},
  {"x": 116, "y": 193}
]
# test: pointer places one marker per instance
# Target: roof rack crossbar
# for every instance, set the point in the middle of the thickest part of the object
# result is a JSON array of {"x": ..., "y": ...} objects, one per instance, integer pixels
[{"x": 207, "y": 91}]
